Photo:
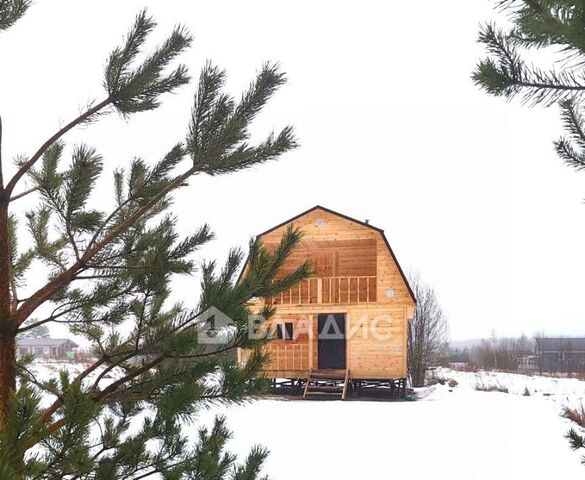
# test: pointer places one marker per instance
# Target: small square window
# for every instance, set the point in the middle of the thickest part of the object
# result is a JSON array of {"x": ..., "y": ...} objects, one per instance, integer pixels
[{"x": 284, "y": 331}]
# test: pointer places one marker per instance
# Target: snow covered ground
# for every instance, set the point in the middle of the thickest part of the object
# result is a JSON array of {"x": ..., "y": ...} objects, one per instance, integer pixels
[
  {"x": 561, "y": 391},
  {"x": 447, "y": 433}
]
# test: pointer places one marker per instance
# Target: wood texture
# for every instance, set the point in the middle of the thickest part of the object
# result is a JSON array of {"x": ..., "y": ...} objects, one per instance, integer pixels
[{"x": 355, "y": 274}]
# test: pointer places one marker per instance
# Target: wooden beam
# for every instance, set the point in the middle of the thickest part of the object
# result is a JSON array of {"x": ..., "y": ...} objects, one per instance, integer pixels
[
  {"x": 311, "y": 340},
  {"x": 307, "y": 384},
  {"x": 344, "y": 394}
]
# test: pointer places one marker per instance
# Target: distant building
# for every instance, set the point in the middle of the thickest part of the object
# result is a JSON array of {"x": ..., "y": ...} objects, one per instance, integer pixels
[
  {"x": 560, "y": 354},
  {"x": 528, "y": 363},
  {"x": 54, "y": 348}
]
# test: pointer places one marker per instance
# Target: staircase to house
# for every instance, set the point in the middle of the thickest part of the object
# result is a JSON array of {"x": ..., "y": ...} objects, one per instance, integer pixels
[{"x": 326, "y": 385}]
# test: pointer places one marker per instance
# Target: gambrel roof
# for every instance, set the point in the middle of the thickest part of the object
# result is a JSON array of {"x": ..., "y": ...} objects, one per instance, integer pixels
[{"x": 359, "y": 222}]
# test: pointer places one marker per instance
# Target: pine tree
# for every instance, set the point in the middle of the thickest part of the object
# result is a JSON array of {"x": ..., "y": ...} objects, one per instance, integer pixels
[
  {"x": 555, "y": 28},
  {"x": 109, "y": 281},
  {"x": 551, "y": 27}
]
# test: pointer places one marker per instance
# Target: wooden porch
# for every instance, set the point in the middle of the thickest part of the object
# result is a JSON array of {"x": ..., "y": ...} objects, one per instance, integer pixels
[{"x": 339, "y": 385}]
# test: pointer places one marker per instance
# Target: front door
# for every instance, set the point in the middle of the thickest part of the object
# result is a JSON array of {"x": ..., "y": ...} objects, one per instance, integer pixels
[{"x": 331, "y": 341}]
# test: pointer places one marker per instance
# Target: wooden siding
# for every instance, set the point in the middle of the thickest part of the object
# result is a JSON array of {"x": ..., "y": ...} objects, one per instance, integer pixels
[{"x": 337, "y": 247}]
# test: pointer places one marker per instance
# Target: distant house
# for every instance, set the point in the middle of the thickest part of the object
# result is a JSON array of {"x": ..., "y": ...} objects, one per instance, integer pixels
[
  {"x": 527, "y": 363},
  {"x": 560, "y": 354},
  {"x": 55, "y": 348}
]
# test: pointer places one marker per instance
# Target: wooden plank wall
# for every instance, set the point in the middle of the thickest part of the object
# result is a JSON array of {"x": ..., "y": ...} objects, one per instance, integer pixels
[
  {"x": 376, "y": 348},
  {"x": 367, "y": 356}
]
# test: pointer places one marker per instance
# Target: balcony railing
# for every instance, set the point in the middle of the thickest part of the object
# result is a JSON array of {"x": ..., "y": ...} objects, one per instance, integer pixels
[{"x": 315, "y": 290}]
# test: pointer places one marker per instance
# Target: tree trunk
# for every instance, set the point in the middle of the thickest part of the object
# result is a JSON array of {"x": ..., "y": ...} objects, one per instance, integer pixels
[
  {"x": 8, "y": 327},
  {"x": 7, "y": 371}
]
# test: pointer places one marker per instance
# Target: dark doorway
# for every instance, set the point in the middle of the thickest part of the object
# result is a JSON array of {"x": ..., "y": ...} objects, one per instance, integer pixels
[{"x": 331, "y": 341}]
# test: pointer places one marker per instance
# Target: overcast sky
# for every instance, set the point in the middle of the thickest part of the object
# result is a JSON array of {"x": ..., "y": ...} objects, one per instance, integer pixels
[{"x": 392, "y": 129}]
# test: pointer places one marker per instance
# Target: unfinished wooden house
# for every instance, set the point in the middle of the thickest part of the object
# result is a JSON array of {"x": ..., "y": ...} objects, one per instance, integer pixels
[{"x": 345, "y": 328}]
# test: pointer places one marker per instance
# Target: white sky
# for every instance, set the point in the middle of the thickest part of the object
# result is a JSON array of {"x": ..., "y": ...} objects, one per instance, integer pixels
[{"x": 466, "y": 186}]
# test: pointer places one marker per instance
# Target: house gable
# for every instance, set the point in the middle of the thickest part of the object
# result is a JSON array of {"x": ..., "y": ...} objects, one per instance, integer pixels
[{"x": 326, "y": 227}]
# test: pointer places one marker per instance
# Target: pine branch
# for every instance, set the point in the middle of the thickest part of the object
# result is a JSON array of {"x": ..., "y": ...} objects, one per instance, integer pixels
[
  {"x": 25, "y": 168},
  {"x": 129, "y": 91},
  {"x": 537, "y": 26},
  {"x": 568, "y": 154},
  {"x": 122, "y": 263},
  {"x": 185, "y": 324},
  {"x": 506, "y": 74},
  {"x": 577, "y": 441},
  {"x": 24, "y": 193},
  {"x": 137, "y": 89},
  {"x": 111, "y": 366},
  {"x": 52, "y": 409},
  {"x": 252, "y": 465},
  {"x": 268, "y": 80},
  {"x": 543, "y": 24},
  {"x": 46, "y": 292},
  {"x": 11, "y": 11},
  {"x": 219, "y": 129}
]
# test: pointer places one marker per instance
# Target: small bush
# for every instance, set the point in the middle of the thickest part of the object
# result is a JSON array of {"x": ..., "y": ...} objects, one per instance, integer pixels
[
  {"x": 576, "y": 415},
  {"x": 481, "y": 387},
  {"x": 526, "y": 392},
  {"x": 433, "y": 378}
]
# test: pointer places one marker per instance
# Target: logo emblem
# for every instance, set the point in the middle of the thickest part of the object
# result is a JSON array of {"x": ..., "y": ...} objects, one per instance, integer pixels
[{"x": 215, "y": 327}]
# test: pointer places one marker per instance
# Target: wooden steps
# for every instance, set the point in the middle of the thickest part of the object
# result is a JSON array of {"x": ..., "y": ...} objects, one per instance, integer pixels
[{"x": 326, "y": 385}]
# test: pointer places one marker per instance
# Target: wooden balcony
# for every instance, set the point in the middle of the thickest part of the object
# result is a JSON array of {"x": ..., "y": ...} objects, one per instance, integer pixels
[{"x": 332, "y": 290}]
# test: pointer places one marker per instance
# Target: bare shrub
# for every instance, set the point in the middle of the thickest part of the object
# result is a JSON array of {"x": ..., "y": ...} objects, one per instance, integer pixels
[
  {"x": 576, "y": 415},
  {"x": 526, "y": 392},
  {"x": 482, "y": 387},
  {"x": 435, "y": 379},
  {"x": 427, "y": 332}
]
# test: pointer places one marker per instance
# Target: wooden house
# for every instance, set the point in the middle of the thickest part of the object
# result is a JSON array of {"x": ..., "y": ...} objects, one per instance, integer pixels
[
  {"x": 346, "y": 325},
  {"x": 51, "y": 348}
]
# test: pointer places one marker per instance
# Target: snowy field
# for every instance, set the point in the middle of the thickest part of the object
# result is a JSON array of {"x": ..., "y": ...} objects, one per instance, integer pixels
[
  {"x": 458, "y": 434},
  {"x": 447, "y": 433}
]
